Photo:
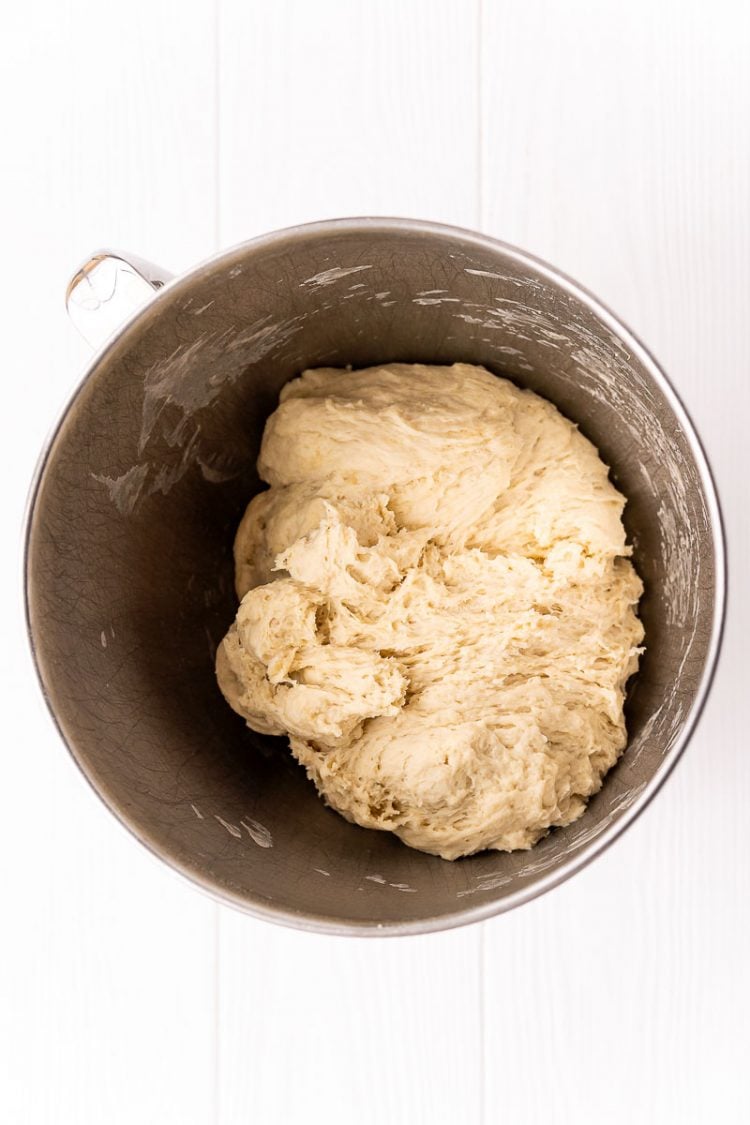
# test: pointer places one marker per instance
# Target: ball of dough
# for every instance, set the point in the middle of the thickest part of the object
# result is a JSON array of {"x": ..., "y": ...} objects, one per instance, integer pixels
[{"x": 437, "y": 604}]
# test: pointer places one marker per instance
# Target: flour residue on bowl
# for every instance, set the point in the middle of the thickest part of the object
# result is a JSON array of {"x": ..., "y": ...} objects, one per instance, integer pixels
[
  {"x": 257, "y": 832},
  {"x": 187, "y": 381},
  {"x": 332, "y": 275}
]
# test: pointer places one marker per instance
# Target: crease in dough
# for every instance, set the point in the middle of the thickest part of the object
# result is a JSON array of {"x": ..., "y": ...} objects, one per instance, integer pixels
[{"x": 437, "y": 604}]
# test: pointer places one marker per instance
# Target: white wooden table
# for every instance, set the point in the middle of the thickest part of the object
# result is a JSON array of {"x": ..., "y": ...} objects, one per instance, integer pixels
[{"x": 610, "y": 138}]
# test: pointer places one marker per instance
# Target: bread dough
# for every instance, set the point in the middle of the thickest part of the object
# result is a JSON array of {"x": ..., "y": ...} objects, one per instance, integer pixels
[{"x": 437, "y": 604}]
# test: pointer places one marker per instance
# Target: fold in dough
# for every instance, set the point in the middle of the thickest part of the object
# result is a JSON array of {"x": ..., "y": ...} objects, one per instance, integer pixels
[{"x": 437, "y": 604}]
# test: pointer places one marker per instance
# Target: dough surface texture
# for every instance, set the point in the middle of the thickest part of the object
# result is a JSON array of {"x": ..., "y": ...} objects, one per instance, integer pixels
[{"x": 437, "y": 604}]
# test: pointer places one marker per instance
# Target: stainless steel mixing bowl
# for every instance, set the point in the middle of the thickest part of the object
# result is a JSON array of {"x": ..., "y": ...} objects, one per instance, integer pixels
[{"x": 129, "y": 567}]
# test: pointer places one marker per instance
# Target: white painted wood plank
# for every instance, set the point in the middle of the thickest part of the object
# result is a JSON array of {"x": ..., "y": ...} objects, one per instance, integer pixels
[
  {"x": 615, "y": 144},
  {"x": 327, "y": 1030},
  {"x": 335, "y": 109},
  {"x": 107, "y": 964}
]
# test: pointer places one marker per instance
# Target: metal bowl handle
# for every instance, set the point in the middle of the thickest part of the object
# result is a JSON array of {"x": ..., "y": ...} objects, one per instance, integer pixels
[{"x": 107, "y": 289}]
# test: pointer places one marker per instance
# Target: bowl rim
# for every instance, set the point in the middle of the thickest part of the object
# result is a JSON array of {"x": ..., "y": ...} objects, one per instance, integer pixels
[{"x": 327, "y": 924}]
